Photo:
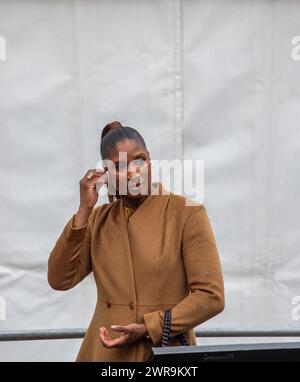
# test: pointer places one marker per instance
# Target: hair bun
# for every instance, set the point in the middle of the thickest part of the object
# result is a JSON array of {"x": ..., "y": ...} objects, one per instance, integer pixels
[{"x": 110, "y": 126}]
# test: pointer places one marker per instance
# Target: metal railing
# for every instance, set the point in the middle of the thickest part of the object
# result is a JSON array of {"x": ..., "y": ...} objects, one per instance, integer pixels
[{"x": 62, "y": 334}]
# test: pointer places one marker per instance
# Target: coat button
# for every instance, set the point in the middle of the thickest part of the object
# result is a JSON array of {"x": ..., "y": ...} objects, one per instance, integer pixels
[
  {"x": 131, "y": 305},
  {"x": 108, "y": 303}
]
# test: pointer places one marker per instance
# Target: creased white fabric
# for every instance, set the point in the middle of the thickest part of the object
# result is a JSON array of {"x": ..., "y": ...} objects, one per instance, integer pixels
[{"x": 219, "y": 72}]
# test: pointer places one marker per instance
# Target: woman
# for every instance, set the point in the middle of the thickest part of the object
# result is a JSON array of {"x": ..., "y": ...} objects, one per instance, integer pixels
[{"x": 148, "y": 252}]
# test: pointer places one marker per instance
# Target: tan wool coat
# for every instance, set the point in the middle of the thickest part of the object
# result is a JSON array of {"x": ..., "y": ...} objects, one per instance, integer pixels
[{"x": 164, "y": 257}]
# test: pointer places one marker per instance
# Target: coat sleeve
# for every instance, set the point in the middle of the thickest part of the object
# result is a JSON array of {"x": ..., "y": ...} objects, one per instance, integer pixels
[
  {"x": 204, "y": 276},
  {"x": 70, "y": 259}
]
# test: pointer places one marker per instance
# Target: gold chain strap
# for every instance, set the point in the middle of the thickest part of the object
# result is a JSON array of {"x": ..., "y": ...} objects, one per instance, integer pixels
[{"x": 128, "y": 212}]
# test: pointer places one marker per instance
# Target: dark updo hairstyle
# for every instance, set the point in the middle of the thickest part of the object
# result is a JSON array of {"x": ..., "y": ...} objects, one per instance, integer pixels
[{"x": 113, "y": 133}]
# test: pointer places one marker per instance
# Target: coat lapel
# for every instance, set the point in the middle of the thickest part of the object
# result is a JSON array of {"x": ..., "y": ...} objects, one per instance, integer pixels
[
  {"x": 149, "y": 241},
  {"x": 126, "y": 245}
]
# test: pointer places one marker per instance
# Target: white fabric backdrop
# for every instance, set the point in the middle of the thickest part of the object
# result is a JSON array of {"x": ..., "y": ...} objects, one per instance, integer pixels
[{"x": 211, "y": 80}]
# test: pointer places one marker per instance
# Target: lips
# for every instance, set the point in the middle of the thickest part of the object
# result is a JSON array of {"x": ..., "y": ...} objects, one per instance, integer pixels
[
  {"x": 134, "y": 187},
  {"x": 134, "y": 183},
  {"x": 137, "y": 185}
]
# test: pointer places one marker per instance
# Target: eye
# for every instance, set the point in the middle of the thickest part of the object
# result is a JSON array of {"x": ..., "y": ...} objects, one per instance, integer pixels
[
  {"x": 120, "y": 166},
  {"x": 139, "y": 162}
]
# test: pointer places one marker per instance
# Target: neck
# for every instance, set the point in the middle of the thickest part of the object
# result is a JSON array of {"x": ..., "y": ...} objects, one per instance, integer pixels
[{"x": 134, "y": 203}]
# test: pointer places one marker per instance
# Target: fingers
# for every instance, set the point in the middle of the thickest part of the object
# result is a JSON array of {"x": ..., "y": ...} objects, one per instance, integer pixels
[
  {"x": 93, "y": 173},
  {"x": 104, "y": 333},
  {"x": 89, "y": 172},
  {"x": 92, "y": 177},
  {"x": 112, "y": 343},
  {"x": 119, "y": 328},
  {"x": 104, "y": 337},
  {"x": 120, "y": 342},
  {"x": 103, "y": 178}
]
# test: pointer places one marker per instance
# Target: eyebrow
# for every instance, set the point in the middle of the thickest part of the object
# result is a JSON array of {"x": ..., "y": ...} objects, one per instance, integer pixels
[{"x": 136, "y": 155}]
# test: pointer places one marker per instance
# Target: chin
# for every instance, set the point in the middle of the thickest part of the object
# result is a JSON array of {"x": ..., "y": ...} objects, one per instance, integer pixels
[
  {"x": 141, "y": 193},
  {"x": 138, "y": 196}
]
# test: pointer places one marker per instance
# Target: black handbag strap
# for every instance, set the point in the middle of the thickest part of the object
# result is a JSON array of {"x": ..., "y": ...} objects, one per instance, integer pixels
[{"x": 166, "y": 331}]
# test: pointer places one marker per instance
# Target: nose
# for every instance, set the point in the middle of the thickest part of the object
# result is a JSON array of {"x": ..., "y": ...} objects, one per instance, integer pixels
[{"x": 133, "y": 172}]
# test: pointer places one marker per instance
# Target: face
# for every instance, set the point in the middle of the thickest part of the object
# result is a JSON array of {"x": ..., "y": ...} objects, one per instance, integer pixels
[{"x": 129, "y": 169}]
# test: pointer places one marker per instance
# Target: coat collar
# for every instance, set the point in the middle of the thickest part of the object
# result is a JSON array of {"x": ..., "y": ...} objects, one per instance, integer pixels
[{"x": 151, "y": 207}]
